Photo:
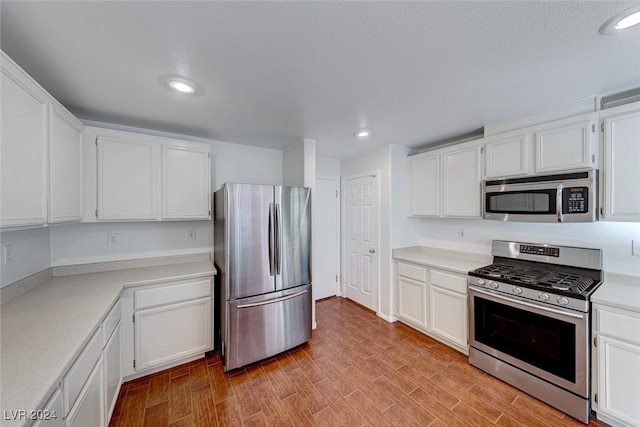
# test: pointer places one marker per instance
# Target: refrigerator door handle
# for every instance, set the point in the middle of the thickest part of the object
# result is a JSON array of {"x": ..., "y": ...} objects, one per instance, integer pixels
[
  {"x": 272, "y": 234},
  {"x": 278, "y": 240},
  {"x": 271, "y": 301}
]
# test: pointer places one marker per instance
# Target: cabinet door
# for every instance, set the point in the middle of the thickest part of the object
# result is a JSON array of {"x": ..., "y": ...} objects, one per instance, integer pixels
[
  {"x": 448, "y": 314},
  {"x": 126, "y": 179},
  {"x": 619, "y": 380},
  {"x": 186, "y": 181},
  {"x": 507, "y": 156},
  {"x": 89, "y": 408},
  {"x": 412, "y": 301},
  {"x": 621, "y": 166},
  {"x": 462, "y": 181},
  {"x": 425, "y": 185},
  {"x": 172, "y": 332},
  {"x": 112, "y": 371},
  {"x": 65, "y": 163},
  {"x": 565, "y": 146},
  {"x": 23, "y": 149},
  {"x": 53, "y": 413}
]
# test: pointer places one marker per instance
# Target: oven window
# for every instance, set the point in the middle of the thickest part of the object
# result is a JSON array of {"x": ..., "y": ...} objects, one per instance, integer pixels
[
  {"x": 544, "y": 342},
  {"x": 534, "y": 201}
]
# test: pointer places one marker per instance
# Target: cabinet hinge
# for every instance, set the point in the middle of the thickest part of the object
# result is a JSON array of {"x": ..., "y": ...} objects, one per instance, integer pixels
[
  {"x": 133, "y": 318},
  {"x": 96, "y": 213},
  {"x": 336, "y": 277},
  {"x": 209, "y": 155},
  {"x": 96, "y": 141},
  {"x": 209, "y": 213},
  {"x": 336, "y": 193},
  {"x": 602, "y": 126},
  {"x": 593, "y": 128},
  {"x": 481, "y": 150},
  {"x": 595, "y": 397},
  {"x": 595, "y": 341},
  {"x": 134, "y": 363}
]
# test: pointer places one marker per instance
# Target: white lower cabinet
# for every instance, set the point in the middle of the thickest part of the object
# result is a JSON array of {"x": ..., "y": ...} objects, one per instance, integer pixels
[
  {"x": 617, "y": 352},
  {"x": 435, "y": 302},
  {"x": 89, "y": 407},
  {"x": 172, "y": 321},
  {"x": 112, "y": 371}
]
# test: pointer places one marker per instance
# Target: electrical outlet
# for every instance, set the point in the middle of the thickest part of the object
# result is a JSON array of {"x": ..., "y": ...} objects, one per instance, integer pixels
[
  {"x": 635, "y": 247},
  {"x": 112, "y": 239},
  {"x": 8, "y": 254},
  {"x": 462, "y": 232},
  {"x": 191, "y": 234}
]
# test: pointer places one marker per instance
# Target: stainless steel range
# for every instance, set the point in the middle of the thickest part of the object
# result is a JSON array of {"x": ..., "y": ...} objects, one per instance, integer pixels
[{"x": 529, "y": 320}]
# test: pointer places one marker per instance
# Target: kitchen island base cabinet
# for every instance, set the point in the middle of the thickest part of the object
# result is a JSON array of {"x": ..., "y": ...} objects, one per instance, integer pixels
[
  {"x": 112, "y": 372},
  {"x": 89, "y": 407},
  {"x": 434, "y": 302},
  {"x": 617, "y": 349}
]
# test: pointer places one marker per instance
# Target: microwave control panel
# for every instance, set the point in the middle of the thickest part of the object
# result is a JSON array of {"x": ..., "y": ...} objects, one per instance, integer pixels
[{"x": 575, "y": 200}]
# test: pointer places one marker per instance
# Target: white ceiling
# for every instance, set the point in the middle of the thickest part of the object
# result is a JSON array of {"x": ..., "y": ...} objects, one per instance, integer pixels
[{"x": 272, "y": 72}]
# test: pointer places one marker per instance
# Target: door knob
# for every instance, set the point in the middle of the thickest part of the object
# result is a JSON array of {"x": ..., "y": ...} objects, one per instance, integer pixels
[{"x": 372, "y": 251}]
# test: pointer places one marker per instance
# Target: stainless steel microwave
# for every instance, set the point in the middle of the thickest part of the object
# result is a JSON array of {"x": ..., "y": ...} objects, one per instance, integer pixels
[{"x": 565, "y": 197}]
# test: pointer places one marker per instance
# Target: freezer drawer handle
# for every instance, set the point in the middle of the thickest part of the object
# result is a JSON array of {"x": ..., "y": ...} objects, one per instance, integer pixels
[{"x": 271, "y": 301}]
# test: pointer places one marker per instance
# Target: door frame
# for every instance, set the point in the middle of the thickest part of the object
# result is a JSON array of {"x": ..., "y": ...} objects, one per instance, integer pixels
[
  {"x": 338, "y": 248},
  {"x": 375, "y": 174}
]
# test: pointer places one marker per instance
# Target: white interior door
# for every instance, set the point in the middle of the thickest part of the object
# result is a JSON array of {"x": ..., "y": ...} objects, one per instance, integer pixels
[
  {"x": 326, "y": 250},
  {"x": 361, "y": 231}
]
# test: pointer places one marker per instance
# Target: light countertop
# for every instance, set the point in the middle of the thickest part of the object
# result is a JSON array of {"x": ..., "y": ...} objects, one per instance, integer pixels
[
  {"x": 44, "y": 329},
  {"x": 620, "y": 291},
  {"x": 445, "y": 259}
]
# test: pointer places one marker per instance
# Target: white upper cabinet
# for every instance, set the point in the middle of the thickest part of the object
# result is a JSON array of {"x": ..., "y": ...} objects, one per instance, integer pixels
[
  {"x": 446, "y": 182},
  {"x": 65, "y": 163},
  {"x": 146, "y": 178},
  {"x": 425, "y": 185},
  {"x": 186, "y": 181},
  {"x": 507, "y": 155},
  {"x": 559, "y": 146},
  {"x": 566, "y": 145},
  {"x": 23, "y": 149},
  {"x": 462, "y": 178},
  {"x": 127, "y": 179},
  {"x": 621, "y": 175}
]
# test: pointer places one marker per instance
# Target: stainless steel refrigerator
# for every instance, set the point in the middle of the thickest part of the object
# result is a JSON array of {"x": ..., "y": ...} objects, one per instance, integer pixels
[{"x": 262, "y": 251}]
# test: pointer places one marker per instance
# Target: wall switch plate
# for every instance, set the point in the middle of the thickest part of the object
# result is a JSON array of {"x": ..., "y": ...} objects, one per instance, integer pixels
[
  {"x": 7, "y": 252},
  {"x": 191, "y": 234},
  {"x": 113, "y": 239},
  {"x": 635, "y": 247},
  {"x": 462, "y": 232}
]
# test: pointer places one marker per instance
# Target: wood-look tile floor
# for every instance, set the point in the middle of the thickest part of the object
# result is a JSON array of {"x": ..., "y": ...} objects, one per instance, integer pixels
[{"x": 357, "y": 370}]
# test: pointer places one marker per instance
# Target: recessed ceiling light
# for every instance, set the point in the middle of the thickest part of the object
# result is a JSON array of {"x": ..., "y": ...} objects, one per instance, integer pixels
[
  {"x": 362, "y": 133},
  {"x": 181, "y": 85},
  {"x": 622, "y": 21}
]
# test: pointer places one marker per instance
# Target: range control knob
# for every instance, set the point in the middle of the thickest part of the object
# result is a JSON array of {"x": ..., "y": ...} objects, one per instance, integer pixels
[
  {"x": 481, "y": 282},
  {"x": 562, "y": 301},
  {"x": 543, "y": 296},
  {"x": 494, "y": 285},
  {"x": 516, "y": 290}
]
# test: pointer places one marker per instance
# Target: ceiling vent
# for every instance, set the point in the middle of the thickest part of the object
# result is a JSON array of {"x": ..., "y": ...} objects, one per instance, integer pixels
[{"x": 620, "y": 98}]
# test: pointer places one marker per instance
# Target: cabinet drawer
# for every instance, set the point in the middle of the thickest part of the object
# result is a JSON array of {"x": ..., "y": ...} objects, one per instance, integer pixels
[
  {"x": 624, "y": 326},
  {"x": 79, "y": 372},
  {"x": 412, "y": 272},
  {"x": 172, "y": 294},
  {"x": 449, "y": 281},
  {"x": 111, "y": 321}
]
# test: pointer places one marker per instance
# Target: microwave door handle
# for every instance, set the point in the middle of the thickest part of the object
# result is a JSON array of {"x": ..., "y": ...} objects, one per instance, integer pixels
[{"x": 559, "y": 202}]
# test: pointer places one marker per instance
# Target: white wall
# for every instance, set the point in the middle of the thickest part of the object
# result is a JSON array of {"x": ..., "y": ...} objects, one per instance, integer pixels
[
  {"x": 31, "y": 254},
  {"x": 614, "y": 238},
  {"x": 327, "y": 167},
  {"x": 395, "y": 227}
]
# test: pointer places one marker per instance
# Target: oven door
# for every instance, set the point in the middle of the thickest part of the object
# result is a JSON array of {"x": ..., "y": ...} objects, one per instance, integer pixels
[{"x": 550, "y": 343}]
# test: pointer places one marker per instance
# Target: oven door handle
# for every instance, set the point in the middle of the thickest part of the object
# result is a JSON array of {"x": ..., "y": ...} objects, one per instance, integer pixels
[{"x": 527, "y": 304}]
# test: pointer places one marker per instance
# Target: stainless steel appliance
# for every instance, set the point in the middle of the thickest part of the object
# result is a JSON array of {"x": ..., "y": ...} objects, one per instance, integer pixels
[
  {"x": 529, "y": 320},
  {"x": 567, "y": 197},
  {"x": 263, "y": 255}
]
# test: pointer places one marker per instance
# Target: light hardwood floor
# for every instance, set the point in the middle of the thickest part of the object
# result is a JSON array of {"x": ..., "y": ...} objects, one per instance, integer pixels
[{"x": 356, "y": 370}]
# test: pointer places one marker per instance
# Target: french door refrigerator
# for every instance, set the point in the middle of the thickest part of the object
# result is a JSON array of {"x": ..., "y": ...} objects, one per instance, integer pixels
[{"x": 262, "y": 250}]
